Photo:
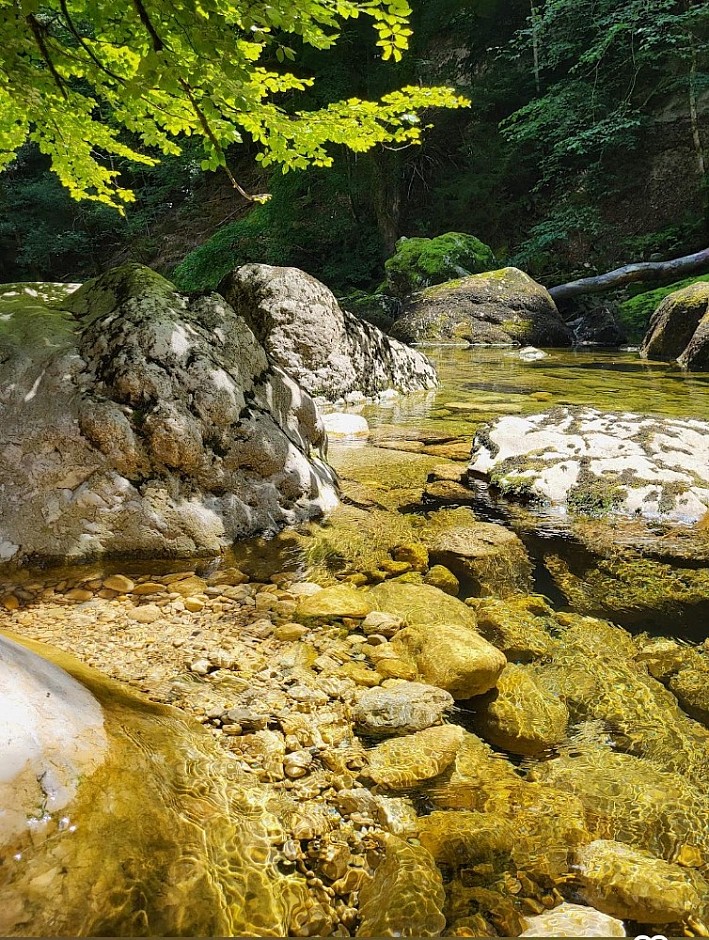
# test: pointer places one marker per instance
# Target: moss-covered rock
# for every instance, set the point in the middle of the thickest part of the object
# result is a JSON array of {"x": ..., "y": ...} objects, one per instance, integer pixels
[
  {"x": 421, "y": 262},
  {"x": 462, "y": 838},
  {"x": 629, "y": 799},
  {"x": 405, "y": 897},
  {"x": 520, "y": 715},
  {"x": 490, "y": 558},
  {"x": 334, "y": 603},
  {"x": 679, "y": 328},
  {"x": 451, "y": 657},
  {"x": 422, "y": 604},
  {"x": 599, "y": 463},
  {"x": 518, "y": 625},
  {"x": 443, "y": 578},
  {"x": 548, "y": 822},
  {"x": 636, "y": 312},
  {"x": 631, "y": 588},
  {"x": 594, "y": 670},
  {"x": 498, "y": 307},
  {"x": 691, "y": 688}
]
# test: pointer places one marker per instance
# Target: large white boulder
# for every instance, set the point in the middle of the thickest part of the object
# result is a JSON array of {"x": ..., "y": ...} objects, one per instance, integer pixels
[
  {"x": 328, "y": 350},
  {"x": 51, "y": 736},
  {"x": 138, "y": 420}
]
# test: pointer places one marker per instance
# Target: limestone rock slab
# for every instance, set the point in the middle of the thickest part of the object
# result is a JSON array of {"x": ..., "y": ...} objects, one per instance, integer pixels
[{"x": 578, "y": 459}]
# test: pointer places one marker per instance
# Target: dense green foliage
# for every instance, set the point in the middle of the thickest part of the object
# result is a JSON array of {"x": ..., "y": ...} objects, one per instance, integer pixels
[
  {"x": 73, "y": 73},
  {"x": 583, "y": 150}
]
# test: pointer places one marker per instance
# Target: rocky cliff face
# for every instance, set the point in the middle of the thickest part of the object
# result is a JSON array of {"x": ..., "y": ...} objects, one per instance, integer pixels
[
  {"x": 138, "y": 420},
  {"x": 329, "y": 351}
]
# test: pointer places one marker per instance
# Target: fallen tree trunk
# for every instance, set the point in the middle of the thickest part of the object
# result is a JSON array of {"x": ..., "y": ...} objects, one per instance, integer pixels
[{"x": 630, "y": 273}]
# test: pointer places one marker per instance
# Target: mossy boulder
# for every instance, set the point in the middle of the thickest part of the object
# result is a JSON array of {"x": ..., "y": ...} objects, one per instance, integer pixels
[
  {"x": 598, "y": 464},
  {"x": 518, "y": 625},
  {"x": 548, "y": 822},
  {"x": 421, "y": 262},
  {"x": 679, "y": 329},
  {"x": 504, "y": 307},
  {"x": 334, "y": 603},
  {"x": 636, "y": 312},
  {"x": 421, "y": 604},
  {"x": 462, "y": 838},
  {"x": 691, "y": 689},
  {"x": 442, "y": 578},
  {"x": 594, "y": 670},
  {"x": 451, "y": 657}
]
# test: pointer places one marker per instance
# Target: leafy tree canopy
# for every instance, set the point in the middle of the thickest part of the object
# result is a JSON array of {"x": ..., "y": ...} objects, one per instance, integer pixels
[{"x": 76, "y": 74}]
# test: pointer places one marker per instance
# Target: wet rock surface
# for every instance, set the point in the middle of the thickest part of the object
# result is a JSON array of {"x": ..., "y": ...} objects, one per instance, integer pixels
[
  {"x": 489, "y": 557},
  {"x": 52, "y": 733}
]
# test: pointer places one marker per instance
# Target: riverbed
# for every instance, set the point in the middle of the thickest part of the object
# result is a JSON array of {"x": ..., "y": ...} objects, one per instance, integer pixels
[{"x": 222, "y": 642}]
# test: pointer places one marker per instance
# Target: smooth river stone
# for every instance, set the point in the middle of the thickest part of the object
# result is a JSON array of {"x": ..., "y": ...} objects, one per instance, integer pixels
[
  {"x": 336, "y": 602},
  {"x": 400, "y": 763},
  {"x": 633, "y": 884},
  {"x": 573, "y": 920},
  {"x": 52, "y": 734},
  {"x": 400, "y": 708}
]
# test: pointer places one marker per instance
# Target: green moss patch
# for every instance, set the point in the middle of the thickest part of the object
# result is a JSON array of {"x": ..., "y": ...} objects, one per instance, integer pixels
[
  {"x": 635, "y": 313},
  {"x": 421, "y": 262}
]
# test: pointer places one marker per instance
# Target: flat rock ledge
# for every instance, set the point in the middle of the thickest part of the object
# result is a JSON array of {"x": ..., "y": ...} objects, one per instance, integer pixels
[
  {"x": 136, "y": 420},
  {"x": 579, "y": 460}
]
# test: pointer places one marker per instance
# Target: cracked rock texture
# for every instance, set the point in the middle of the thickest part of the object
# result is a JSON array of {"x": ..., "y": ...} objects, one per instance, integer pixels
[
  {"x": 328, "y": 350},
  {"x": 600, "y": 463},
  {"x": 136, "y": 420}
]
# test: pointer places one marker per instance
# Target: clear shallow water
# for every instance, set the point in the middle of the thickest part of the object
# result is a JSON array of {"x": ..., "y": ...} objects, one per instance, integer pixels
[
  {"x": 150, "y": 865},
  {"x": 496, "y": 381}
]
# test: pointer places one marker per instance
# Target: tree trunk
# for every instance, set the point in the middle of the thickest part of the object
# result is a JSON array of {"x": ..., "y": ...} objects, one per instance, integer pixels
[
  {"x": 535, "y": 46},
  {"x": 630, "y": 273},
  {"x": 386, "y": 197}
]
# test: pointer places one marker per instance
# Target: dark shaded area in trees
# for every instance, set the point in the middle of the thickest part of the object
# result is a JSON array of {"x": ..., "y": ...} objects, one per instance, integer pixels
[{"x": 583, "y": 150}]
